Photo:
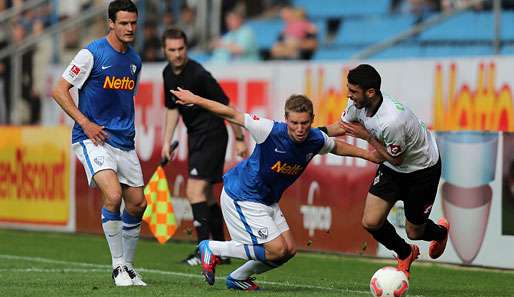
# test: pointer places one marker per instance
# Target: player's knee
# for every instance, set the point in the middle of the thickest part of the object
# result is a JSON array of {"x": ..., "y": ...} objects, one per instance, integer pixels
[
  {"x": 277, "y": 253},
  {"x": 136, "y": 208},
  {"x": 195, "y": 194},
  {"x": 371, "y": 224},
  {"x": 112, "y": 197},
  {"x": 291, "y": 251}
]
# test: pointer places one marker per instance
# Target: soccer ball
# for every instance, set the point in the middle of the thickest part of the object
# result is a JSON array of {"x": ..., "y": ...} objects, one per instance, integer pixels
[{"x": 389, "y": 281}]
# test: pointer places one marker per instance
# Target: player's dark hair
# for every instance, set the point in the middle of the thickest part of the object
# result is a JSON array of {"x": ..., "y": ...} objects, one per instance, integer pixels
[
  {"x": 299, "y": 103},
  {"x": 173, "y": 33},
  {"x": 366, "y": 77},
  {"x": 120, "y": 5}
]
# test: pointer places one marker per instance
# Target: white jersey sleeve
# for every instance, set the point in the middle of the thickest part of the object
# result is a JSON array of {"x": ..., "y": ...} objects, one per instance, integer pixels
[
  {"x": 259, "y": 128},
  {"x": 328, "y": 146},
  {"x": 79, "y": 69},
  {"x": 350, "y": 113},
  {"x": 395, "y": 140}
]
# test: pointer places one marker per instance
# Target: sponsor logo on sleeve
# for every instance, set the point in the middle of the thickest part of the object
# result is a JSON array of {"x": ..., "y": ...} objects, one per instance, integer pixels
[{"x": 74, "y": 71}]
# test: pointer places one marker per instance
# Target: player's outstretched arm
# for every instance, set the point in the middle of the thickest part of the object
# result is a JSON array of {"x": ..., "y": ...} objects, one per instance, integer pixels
[
  {"x": 334, "y": 130},
  {"x": 357, "y": 130},
  {"x": 61, "y": 94},
  {"x": 230, "y": 114},
  {"x": 345, "y": 149}
]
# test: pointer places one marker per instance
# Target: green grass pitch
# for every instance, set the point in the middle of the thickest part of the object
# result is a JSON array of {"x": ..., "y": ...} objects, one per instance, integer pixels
[{"x": 56, "y": 264}]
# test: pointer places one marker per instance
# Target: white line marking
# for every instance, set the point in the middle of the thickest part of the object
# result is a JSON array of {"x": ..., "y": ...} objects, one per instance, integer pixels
[{"x": 107, "y": 268}]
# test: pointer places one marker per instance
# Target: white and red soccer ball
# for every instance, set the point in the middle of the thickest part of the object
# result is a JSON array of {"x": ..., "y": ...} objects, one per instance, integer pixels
[{"x": 389, "y": 281}]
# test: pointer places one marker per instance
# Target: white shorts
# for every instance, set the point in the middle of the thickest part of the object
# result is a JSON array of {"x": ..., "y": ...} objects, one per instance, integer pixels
[
  {"x": 251, "y": 222},
  {"x": 96, "y": 158}
]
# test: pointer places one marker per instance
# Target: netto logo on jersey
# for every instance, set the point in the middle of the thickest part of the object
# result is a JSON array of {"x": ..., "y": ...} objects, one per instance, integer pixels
[
  {"x": 285, "y": 168},
  {"x": 116, "y": 83}
]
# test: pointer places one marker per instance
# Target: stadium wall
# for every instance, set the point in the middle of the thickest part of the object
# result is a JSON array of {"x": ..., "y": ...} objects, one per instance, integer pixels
[{"x": 452, "y": 96}]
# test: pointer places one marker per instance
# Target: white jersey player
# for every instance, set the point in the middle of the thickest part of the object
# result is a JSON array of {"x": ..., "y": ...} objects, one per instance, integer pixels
[{"x": 411, "y": 172}]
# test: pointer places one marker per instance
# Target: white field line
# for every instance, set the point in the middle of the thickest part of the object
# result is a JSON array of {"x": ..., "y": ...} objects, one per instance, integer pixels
[{"x": 107, "y": 268}]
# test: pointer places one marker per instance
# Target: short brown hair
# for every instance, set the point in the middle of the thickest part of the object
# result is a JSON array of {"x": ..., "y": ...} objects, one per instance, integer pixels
[
  {"x": 299, "y": 103},
  {"x": 173, "y": 33}
]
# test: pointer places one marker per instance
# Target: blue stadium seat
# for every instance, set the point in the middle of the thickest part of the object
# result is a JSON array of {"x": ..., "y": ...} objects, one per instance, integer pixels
[
  {"x": 266, "y": 31},
  {"x": 457, "y": 51},
  {"x": 371, "y": 30},
  {"x": 342, "y": 8},
  {"x": 507, "y": 28},
  {"x": 334, "y": 53},
  {"x": 200, "y": 57},
  {"x": 462, "y": 27},
  {"x": 321, "y": 25},
  {"x": 507, "y": 50},
  {"x": 399, "y": 52}
]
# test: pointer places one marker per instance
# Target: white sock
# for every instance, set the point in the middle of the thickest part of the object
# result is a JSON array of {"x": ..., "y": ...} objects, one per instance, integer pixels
[
  {"x": 228, "y": 249},
  {"x": 130, "y": 235},
  {"x": 111, "y": 224},
  {"x": 249, "y": 268}
]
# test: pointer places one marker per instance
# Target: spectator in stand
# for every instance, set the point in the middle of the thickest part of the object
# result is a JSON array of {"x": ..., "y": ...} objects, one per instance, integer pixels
[
  {"x": 152, "y": 45},
  {"x": 238, "y": 44},
  {"x": 298, "y": 40},
  {"x": 186, "y": 22}
]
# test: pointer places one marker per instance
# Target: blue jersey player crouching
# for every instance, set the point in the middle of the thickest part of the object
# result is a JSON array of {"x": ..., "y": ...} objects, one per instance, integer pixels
[
  {"x": 253, "y": 188},
  {"x": 106, "y": 74}
]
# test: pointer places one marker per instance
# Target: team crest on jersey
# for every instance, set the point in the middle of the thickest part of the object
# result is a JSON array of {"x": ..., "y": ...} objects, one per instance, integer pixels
[
  {"x": 263, "y": 233},
  {"x": 133, "y": 69},
  {"x": 99, "y": 160},
  {"x": 394, "y": 149},
  {"x": 309, "y": 156},
  {"x": 254, "y": 117}
]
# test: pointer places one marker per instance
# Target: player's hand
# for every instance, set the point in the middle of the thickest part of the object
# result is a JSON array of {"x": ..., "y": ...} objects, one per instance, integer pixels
[
  {"x": 95, "y": 132},
  {"x": 184, "y": 97},
  {"x": 241, "y": 149},
  {"x": 355, "y": 129},
  {"x": 376, "y": 157},
  {"x": 165, "y": 152}
]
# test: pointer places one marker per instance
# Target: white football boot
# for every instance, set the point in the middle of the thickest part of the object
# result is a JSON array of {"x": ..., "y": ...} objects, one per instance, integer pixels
[
  {"x": 120, "y": 277},
  {"x": 136, "y": 278}
]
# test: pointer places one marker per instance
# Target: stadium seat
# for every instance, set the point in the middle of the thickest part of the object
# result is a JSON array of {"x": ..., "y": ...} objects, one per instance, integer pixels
[
  {"x": 456, "y": 51},
  {"x": 371, "y": 30},
  {"x": 266, "y": 31},
  {"x": 342, "y": 8},
  {"x": 467, "y": 26},
  {"x": 334, "y": 53},
  {"x": 321, "y": 25},
  {"x": 400, "y": 52},
  {"x": 507, "y": 28},
  {"x": 200, "y": 57},
  {"x": 507, "y": 50}
]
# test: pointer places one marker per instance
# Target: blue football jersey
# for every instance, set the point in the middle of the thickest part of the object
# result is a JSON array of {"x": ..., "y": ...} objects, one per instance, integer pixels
[
  {"x": 107, "y": 81},
  {"x": 273, "y": 166}
]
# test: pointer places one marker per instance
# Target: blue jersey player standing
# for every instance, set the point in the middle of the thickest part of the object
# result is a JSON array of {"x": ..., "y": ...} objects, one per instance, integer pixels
[
  {"x": 106, "y": 75},
  {"x": 253, "y": 188}
]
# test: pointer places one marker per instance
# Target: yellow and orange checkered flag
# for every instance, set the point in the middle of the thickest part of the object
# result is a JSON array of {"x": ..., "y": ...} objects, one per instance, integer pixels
[{"x": 159, "y": 212}]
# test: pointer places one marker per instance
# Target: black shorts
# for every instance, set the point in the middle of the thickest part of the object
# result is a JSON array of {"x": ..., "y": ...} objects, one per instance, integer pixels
[
  {"x": 417, "y": 190},
  {"x": 207, "y": 155}
]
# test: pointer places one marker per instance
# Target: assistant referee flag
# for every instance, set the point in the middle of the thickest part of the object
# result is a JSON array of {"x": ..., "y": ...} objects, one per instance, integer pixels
[{"x": 159, "y": 212}]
